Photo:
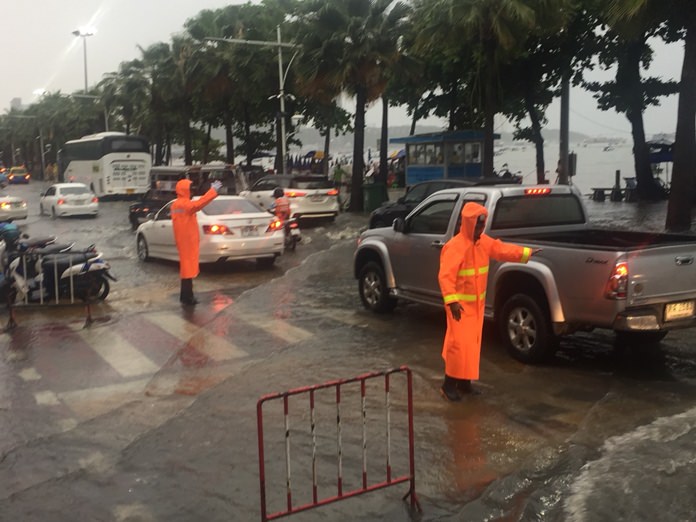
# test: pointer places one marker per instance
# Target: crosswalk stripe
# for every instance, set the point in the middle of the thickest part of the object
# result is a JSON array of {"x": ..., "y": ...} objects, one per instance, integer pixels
[
  {"x": 121, "y": 355},
  {"x": 343, "y": 316},
  {"x": 279, "y": 328},
  {"x": 210, "y": 345},
  {"x": 46, "y": 398},
  {"x": 29, "y": 374}
]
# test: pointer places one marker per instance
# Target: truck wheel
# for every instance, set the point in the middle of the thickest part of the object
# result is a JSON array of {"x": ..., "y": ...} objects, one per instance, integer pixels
[
  {"x": 373, "y": 289},
  {"x": 524, "y": 327},
  {"x": 630, "y": 339}
]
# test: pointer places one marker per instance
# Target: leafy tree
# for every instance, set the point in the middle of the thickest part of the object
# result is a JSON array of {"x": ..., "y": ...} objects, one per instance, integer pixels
[
  {"x": 626, "y": 44},
  {"x": 343, "y": 49}
]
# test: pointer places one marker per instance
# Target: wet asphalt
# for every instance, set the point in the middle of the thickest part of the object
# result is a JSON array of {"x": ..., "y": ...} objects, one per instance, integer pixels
[{"x": 180, "y": 442}]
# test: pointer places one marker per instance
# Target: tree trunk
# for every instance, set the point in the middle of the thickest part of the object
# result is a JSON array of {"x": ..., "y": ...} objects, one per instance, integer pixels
[
  {"x": 229, "y": 140},
  {"x": 630, "y": 85},
  {"x": 188, "y": 142},
  {"x": 356, "y": 199},
  {"x": 537, "y": 138},
  {"x": 206, "y": 145},
  {"x": 682, "y": 189},
  {"x": 383, "y": 142},
  {"x": 327, "y": 145},
  {"x": 489, "y": 111}
]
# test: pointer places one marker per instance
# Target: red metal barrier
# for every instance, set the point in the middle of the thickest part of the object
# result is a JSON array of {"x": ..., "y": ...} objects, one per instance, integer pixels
[{"x": 340, "y": 493}]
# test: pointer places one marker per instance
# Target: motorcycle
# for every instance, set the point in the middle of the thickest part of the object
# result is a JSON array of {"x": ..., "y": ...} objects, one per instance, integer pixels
[
  {"x": 292, "y": 233},
  {"x": 40, "y": 270}
]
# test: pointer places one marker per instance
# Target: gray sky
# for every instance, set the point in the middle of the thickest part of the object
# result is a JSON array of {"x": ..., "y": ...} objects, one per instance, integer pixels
[{"x": 40, "y": 52}]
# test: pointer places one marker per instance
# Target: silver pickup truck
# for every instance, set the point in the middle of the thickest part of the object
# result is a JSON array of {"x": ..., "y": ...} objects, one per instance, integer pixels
[{"x": 639, "y": 284}]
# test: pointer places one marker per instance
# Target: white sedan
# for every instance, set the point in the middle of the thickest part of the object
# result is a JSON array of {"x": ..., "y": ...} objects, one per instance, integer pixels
[
  {"x": 12, "y": 207},
  {"x": 69, "y": 199},
  {"x": 310, "y": 196},
  {"x": 230, "y": 228}
]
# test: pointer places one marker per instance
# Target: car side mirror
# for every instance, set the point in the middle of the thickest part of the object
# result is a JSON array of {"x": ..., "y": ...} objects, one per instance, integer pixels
[
  {"x": 401, "y": 200},
  {"x": 399, "y": 225},
  {"x": 42, "y": 194},
  {"x": 150, "y": 216}
]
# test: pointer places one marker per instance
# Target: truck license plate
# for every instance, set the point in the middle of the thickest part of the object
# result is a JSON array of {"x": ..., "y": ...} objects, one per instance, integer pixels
[{"x": 679, "y": 310}]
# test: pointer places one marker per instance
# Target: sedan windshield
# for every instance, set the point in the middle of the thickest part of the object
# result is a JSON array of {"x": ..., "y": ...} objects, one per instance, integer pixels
[{"x": 219, "y": 207}]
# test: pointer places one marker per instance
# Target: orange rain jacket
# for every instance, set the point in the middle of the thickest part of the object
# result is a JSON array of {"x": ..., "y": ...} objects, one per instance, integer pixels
[
  {"x": 185, "y": 226},
  {"x": 281, "y": 208},
  {"x": 463, "y": 278}
]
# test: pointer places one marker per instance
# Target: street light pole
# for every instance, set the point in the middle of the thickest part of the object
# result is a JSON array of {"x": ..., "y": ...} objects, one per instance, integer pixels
[
  {"x": 84, "y": 32},
  {"x": 282, "y": 76},
  {"x": 281, "y": 80}
]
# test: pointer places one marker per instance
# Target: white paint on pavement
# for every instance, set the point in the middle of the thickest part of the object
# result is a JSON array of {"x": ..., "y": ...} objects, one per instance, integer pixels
[
  {"x": 46, "y": 398},
  {"x": 121, "y": 355},
  {"x": 213, "y": 346},
  {"x": 29, "y": 374}
]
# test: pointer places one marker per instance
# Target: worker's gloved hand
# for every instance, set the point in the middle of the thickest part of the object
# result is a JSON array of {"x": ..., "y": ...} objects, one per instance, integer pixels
[
  {"x": 216, "y": 185},
  {"x": 456, "y": 310}
]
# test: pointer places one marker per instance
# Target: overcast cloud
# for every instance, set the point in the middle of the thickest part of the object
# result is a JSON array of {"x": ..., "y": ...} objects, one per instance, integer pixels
[{"x": 40, "y": 52}]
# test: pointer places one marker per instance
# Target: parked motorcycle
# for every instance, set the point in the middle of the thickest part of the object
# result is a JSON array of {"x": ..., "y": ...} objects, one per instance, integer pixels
[
  {"x": 40, "y": 270},
  {"x": 292, "y": 233}
]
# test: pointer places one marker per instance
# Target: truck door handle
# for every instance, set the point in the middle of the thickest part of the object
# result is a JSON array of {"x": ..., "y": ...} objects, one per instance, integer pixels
[
  {"x": 437, "y": 244},
  {"x": 684, "y": 260}
]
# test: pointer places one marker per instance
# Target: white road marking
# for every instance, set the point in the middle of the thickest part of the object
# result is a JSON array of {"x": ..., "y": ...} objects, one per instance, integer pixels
[
  {"x": 213, "y": 346},
  {"x": 139, "y": 512},
  {"x": 46, "y": 398},
  {"x": 278, "y": 327},
  {"x": 121, "y": 355},
  {"x": 29, "y": 374}
]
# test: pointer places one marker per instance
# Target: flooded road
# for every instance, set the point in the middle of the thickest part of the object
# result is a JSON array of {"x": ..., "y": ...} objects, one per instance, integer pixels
[{"x": 168, "y": 430}]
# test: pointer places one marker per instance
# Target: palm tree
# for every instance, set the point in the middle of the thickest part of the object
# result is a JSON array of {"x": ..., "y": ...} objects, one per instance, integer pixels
[{"x": 346, "y": 46}]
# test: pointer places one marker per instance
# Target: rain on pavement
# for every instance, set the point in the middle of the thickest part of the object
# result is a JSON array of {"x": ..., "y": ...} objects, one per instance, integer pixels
[{"x": 150, "y": 413}]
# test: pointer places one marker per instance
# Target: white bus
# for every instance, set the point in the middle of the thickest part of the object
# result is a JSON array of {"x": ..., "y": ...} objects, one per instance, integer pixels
[{"x": 110, "y": 163}]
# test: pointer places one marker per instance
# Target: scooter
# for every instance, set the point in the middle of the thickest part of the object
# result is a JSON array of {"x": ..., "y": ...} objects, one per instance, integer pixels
[
  {"x": 292, "y": 233},
  {"x": 69, "y": 275}
]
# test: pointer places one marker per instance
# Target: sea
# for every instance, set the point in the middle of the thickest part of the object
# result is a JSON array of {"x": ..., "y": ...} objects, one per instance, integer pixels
[{"x": 597, "y": 162}]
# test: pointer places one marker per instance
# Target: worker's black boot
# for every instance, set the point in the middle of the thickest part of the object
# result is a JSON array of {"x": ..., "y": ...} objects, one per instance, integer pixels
[
  {"x": 449, "y": 389},
  {"x": 465, "y": 388},
  {"x": 186, "y": 295}
]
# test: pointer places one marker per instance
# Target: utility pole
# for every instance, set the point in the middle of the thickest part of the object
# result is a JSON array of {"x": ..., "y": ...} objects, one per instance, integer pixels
[{"x": 282, "y": 76}]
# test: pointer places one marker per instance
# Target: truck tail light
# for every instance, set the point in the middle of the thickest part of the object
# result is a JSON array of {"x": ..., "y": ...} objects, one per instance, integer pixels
[
  {"x": 332, "y": 192},
  {"x": 295, "y": 194},
  {"x": 537, "y": 191},
  {"x": 617, "y": 285}
]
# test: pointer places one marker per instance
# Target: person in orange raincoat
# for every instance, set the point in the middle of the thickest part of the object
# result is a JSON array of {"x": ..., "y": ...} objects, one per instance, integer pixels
[
  {"x": 463, "y": 278},
  {"x": 186, "y": 234}
]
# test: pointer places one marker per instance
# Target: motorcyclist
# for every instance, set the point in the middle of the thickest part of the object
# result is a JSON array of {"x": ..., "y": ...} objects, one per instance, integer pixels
[{"x": 281, "y": 205}]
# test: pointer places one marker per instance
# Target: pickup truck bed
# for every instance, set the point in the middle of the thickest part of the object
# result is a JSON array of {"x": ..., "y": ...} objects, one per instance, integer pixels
[{"x": 606, "y": 239}]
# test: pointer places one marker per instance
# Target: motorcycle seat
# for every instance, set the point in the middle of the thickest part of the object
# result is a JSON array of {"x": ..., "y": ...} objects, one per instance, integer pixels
[
  {"x": 36, "y": 243},
  {"x": 65, "y": 259}
]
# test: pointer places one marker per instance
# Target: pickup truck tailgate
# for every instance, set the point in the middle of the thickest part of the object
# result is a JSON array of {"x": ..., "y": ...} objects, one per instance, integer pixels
[{"x": 662, "y": 274}]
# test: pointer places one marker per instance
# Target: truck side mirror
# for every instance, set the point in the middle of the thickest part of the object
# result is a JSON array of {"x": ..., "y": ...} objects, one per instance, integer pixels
[{"x": 399, "y": 225}]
